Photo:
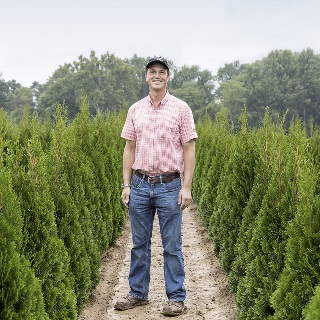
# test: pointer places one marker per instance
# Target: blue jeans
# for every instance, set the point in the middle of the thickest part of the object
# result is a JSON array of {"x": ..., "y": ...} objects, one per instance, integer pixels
[{"x": 145, "y": 200}]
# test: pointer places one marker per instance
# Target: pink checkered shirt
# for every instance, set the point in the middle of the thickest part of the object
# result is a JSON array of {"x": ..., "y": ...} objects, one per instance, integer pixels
[{"x": 159, "y": 132}]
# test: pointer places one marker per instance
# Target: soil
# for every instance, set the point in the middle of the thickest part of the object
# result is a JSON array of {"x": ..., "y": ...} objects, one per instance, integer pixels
[{"x": 208, "y": 294}]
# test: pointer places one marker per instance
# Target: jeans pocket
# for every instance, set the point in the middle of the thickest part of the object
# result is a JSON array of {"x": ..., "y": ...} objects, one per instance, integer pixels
[
  {"x": 136, "y": 181},
  {"x": 173, "y": 185}
]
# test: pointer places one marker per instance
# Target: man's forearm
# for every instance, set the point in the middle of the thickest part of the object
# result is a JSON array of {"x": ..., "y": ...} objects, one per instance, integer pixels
[
  {"x": 189, "y": 163},
  {"x": 128, "y": 160}
]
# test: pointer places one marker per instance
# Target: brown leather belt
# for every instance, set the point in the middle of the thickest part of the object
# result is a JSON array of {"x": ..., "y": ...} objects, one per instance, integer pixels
[{"x": 166, "y": 177}]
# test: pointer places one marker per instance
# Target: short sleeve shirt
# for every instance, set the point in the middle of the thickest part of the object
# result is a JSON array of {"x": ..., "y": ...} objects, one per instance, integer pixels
[{"x": 159, "y": 132}]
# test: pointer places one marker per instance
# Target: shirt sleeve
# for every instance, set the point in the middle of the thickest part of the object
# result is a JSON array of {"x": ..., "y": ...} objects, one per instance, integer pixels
[
  {"x": 128, "y": 130},
  {"x": 188, "y": 129}
]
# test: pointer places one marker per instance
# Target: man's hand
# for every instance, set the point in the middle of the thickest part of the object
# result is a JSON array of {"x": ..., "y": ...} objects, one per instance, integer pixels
[
  {"x": 185, "y": 198},
  {"x": 126, "y": 196}
]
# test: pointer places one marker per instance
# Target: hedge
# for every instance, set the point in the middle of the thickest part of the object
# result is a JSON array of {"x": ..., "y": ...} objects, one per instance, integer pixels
[
  {"x": 60, "y": 210},
  {"x": 263, "y": 214},
  {"x": 257, "y": 191}
]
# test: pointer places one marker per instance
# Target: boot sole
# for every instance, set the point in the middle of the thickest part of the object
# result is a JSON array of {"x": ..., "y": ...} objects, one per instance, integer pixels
[{"x": 138, "y": 304}]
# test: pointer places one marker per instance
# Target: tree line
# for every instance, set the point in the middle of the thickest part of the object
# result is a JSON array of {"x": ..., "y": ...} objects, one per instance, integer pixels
[
  {"x": 60, "y": 209},
  {"x": 257, "y": 192},
  {"x": 285, "y": 82}
]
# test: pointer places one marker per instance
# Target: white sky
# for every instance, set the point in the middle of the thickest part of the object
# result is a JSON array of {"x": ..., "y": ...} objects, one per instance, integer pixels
[{"x": 37, "y": 36}]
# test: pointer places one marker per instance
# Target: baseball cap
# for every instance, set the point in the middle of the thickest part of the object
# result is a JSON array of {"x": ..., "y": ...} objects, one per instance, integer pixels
[{"x": 158, "y": 59}]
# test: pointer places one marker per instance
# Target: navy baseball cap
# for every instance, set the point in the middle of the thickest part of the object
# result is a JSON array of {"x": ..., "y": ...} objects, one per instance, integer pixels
[{"x": 158, "y": 59}]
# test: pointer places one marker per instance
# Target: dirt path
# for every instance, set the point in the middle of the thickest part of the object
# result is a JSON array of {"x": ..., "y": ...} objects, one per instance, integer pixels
[{"x": 208, "y": 296}]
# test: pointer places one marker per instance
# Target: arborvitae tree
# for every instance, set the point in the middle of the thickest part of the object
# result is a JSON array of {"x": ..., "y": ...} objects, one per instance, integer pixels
[
  {"x": 110, "y": 145},
  {"x": 42, "y": 246},
  {"x": 269, "y": 237},
  {"x": 302, "y": 270},
  {"x": 116, "y": 147},
  {"x": 66, "y": 211},
  {"x": 218, "y": 154},
  {"x": 99, "y": 155},
  {"x": 85, "y": 144},
  {"x": 81, "y": 180},
  {"x": 312, "y": 310},
  {"x": 263, "y": 142},
  {"x": 233, "y": 192},
  {"x": 20, "y": 291},
  {"x": 203, "y": 151},
  {"x": 314, "y": 141}
]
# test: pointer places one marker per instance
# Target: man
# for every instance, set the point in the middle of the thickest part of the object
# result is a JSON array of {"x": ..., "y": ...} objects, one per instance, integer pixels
[{"x": 160, "y": 145}]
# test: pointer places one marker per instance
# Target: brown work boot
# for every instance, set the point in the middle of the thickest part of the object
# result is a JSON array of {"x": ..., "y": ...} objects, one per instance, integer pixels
[
  {"x": 129, "y": 302},
  {"x": 174, "y": 308}
]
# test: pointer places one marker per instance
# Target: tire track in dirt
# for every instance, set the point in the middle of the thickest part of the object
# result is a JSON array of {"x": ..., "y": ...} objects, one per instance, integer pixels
[{"x": 208, "y": 295}]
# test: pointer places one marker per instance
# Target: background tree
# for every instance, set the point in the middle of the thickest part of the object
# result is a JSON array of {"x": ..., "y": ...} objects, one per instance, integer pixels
[
  {"x": 284, "y": 81},
  {"x": 139, "y": 64},
  {"x": 3, "y": 92},
  {"x": 194, "y": 86},
  {"x": 18, "y": 101},
  {"x": 109, "y": 84},
  {"x": 233, "y": 94}
]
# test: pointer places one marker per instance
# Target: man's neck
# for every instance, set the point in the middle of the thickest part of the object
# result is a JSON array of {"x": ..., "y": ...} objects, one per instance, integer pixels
[{"x": 157, "y": 96}]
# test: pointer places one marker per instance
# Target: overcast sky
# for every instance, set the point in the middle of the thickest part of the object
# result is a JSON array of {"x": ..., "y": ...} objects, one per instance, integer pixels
[{"x": 37, "y": 36}]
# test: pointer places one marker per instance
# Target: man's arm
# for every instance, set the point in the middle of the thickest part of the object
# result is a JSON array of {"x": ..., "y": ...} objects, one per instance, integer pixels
[
  {"x": 185, "y": 197},
  {"x": 128, "y": 160}
]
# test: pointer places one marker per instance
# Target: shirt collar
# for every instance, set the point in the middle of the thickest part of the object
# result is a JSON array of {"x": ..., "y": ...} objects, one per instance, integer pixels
[{"x": 163, "y": 101}]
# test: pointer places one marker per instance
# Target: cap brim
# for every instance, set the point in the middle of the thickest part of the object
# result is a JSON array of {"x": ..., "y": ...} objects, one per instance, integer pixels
[{"x": 156, "y": 61}]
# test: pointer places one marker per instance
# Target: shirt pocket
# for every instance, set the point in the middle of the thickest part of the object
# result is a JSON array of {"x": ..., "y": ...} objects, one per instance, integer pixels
[{"x": 170, "y": 132}]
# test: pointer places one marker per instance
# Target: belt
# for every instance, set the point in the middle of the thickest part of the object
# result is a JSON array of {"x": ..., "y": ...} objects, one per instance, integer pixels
[{"x": 166, "y": 177}]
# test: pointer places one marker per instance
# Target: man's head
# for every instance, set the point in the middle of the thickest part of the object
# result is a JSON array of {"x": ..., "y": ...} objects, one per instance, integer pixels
[
  {"x": 161, "y": 60},
  {"x": 157, "y": 74}
]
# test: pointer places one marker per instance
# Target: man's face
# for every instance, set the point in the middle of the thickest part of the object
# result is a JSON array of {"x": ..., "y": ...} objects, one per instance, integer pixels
[{"x": 157, "y": 76}]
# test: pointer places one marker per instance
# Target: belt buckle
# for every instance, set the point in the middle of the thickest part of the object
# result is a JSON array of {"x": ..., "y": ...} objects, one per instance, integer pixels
[{"x": 151, "y": 179}]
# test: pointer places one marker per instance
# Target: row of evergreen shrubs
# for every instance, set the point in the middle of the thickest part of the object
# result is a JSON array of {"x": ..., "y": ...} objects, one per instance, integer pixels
[
  {"x": 258, "y": 193},
  {"x": 60, "y": 209}
]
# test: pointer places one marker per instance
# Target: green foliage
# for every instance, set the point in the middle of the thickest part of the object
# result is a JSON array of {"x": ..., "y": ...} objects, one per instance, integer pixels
[
  {"x": 194, "y": 86},
  {"x": 3, "y": 92},
  {"x": 312, "y": 310},
  {"x": 234, "y": 96},
  {"x": 212, "y": 152},
  {"x": 264, "y": 215},
  {"x": 233, "y": 191},
  {"x": 43, "y": 248},
  {"x": 20, "y": 291},
  {"x": 63, "y": 211},
  {"x": 139, "y": 64},
  {"x": 109, "y": 83},
  {"x": 263, "y": 142},
  {"x": 66, "y": 211},
  {"x": 302, "y": 270},
  {"x": 18, "y": 101},
  {"x": 265, "y": 254},
  {"x": 284, "y": 81}
]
